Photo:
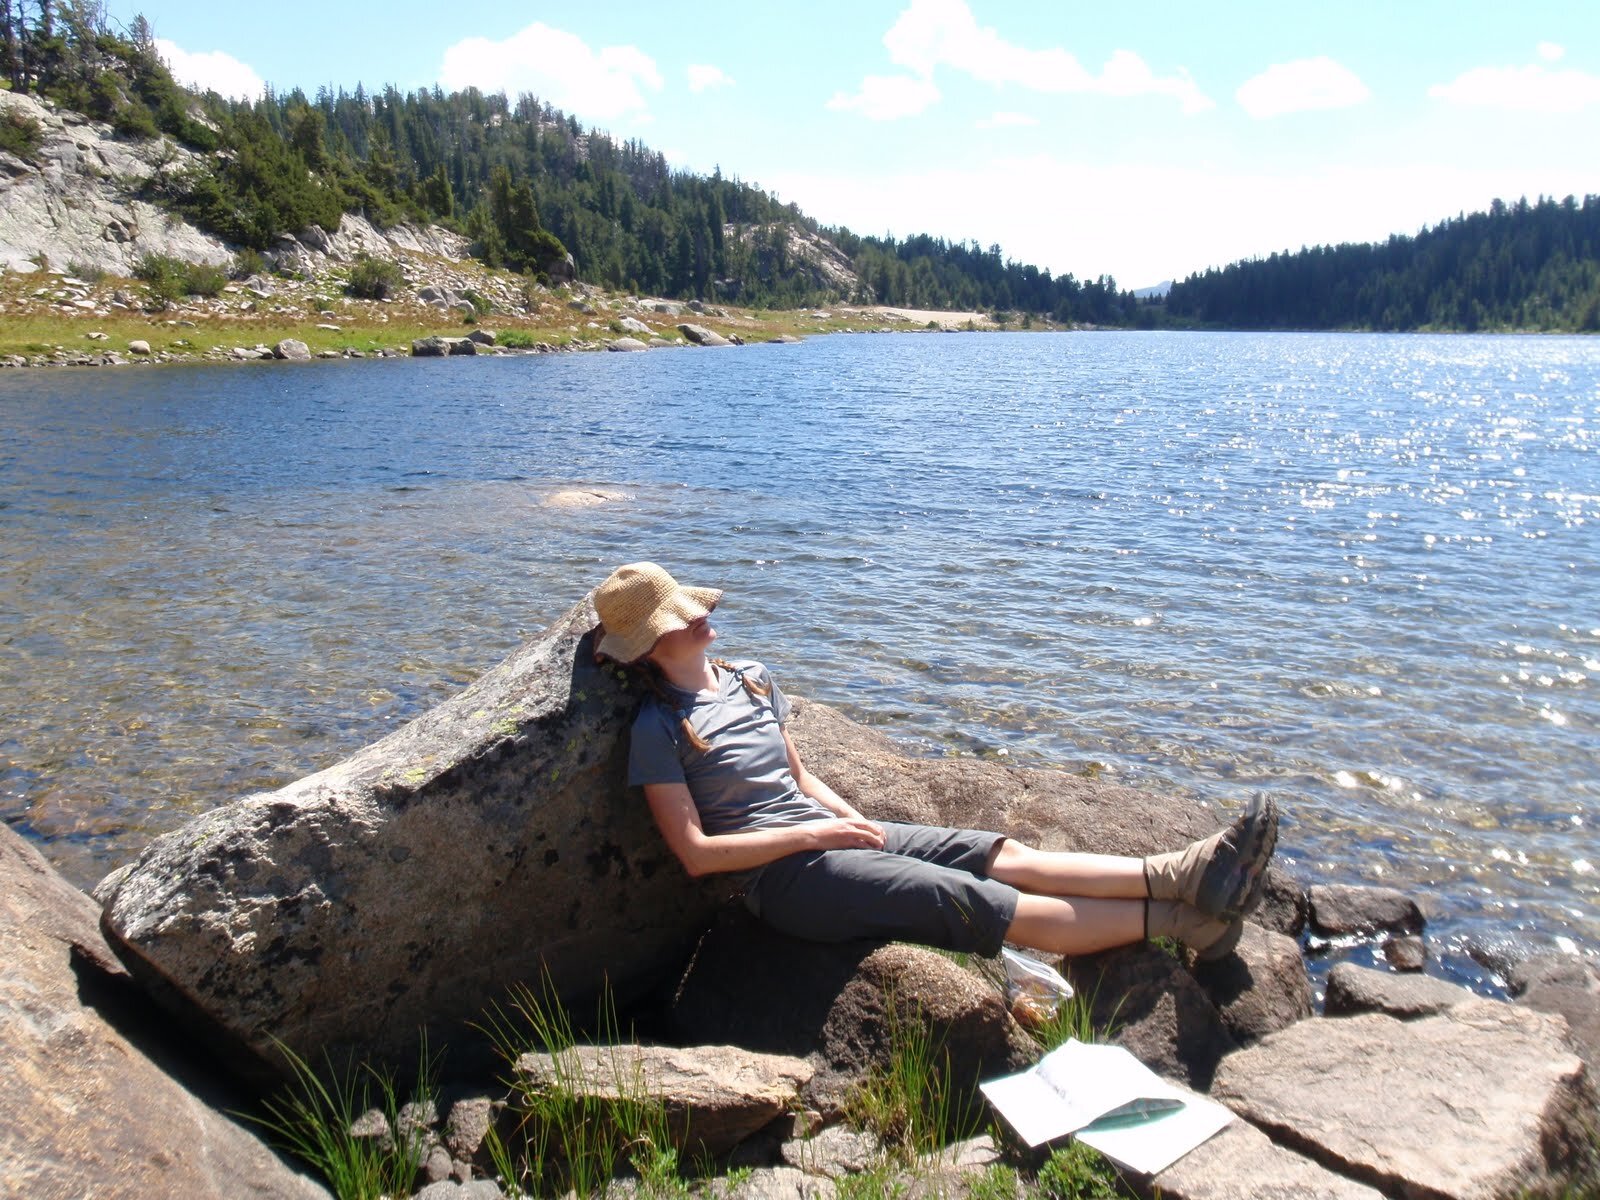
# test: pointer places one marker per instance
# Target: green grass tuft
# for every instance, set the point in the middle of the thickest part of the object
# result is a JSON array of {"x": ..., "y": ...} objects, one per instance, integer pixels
[
  {"x": 913, "y": 1103},
  {"x": 313, "y": 1117},
  {"x": 568, "y": 1139}
]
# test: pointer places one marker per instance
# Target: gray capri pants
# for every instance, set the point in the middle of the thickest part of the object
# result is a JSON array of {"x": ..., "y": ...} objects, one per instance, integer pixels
[{"x": 926, "y": 885}]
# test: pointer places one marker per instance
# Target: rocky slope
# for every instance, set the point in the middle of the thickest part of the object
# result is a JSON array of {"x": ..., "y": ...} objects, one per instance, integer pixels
[{"x": 79, "y": 204}]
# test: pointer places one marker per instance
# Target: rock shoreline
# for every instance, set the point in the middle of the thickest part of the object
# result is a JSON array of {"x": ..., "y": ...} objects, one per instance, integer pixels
[{"x": 491, "y": 843}]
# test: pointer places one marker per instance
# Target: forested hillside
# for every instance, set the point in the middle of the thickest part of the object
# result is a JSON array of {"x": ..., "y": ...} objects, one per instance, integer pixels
[
  {"x": 1519, "y": 266},
  {"x": 526, "y": 182}
]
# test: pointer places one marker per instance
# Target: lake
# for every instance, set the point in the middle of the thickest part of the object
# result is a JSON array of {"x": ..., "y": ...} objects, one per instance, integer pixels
[{"x": 1356, "y": 570}]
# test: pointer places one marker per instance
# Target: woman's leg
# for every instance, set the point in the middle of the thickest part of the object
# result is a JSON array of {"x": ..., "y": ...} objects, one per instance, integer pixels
[
  {"x": 1077, "y": 926},
  {"x": 1062, "y": 873},
  {"x": 1084, "y": 925},
  {"x": 1223, "y": 875}
]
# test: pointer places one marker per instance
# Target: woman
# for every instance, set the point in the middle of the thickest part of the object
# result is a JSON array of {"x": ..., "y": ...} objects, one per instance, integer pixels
[{"x": 730, "y": 793}]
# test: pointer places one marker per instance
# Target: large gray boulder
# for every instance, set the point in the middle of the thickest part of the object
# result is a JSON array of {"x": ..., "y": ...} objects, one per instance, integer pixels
[
  {"x": 85, "y": 1111},
  {"x": 488, "y": 842},
  {"x": 701, "y": 336},
  {"x": 1483, "y": 1100},
  {"x": 493, "y": 840}
]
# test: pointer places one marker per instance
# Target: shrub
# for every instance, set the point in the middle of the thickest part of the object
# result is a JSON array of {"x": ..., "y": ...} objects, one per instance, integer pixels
[
  {"x": 20, "y": 135},
  {"x": 168, "y": 278},
  {"x": 516, "y": 339},
  {"x": 134, "y": 120},
  {"x": 171, "y": 279},
  {"x": 203, "y": 279},
  {"x": 246, "y": 263},
  {"x": 87, "y": 272},
  {"x": 480, "y": 304},
  {"x": 374, "y": 278},
  {"x": 1077, "y": 1172}
]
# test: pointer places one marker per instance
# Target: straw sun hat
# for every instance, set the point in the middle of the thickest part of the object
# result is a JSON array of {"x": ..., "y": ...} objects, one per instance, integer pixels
[{"x": 639, "y": 603}]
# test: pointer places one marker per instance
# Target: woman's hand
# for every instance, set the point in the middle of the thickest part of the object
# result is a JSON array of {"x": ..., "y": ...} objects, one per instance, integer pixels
[{"x": 847, "y": 833}]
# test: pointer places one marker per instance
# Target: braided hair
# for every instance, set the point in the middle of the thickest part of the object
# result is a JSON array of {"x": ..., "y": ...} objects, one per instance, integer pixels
[{"x": 653, "y": 678}]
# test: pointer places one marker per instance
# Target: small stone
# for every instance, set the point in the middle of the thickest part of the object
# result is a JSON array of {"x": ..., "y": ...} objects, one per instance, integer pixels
[
  {"x": 1356, "y": 989},
  {"x": 329, "y": 327},
  {"x": 1405, "y": 953},
  {"x": 439, "y": 1165},
  {"x": 1342, "y": 909}
]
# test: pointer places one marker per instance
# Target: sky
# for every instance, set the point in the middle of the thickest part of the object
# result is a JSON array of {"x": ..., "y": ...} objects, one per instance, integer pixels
[{"x": 1142, "y": 141}]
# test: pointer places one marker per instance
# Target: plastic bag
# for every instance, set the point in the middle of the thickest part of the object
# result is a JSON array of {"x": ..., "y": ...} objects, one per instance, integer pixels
[{"x": 1034, "y": 992}]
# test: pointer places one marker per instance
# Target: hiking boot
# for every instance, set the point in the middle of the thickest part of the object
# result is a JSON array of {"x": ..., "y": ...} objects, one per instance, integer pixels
[
  {"x": 1225, "y": 875},
  {"x": 1209, "y": 937}
]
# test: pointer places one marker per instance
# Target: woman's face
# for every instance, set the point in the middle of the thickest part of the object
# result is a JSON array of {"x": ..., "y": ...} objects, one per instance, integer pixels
[{"x": 684, "y": 643}]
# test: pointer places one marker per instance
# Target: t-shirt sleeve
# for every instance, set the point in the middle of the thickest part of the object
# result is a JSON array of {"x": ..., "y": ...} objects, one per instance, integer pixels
[
  {"x": 780, "y": 702},
  {"x": 652, "y": 750}
]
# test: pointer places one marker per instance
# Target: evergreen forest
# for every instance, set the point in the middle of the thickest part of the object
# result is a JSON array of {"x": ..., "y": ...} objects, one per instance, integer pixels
[
  {"x": 529, "y": 185},
  {"x": 526, "y": 182},
  {"x": 1517, "y": 266}
]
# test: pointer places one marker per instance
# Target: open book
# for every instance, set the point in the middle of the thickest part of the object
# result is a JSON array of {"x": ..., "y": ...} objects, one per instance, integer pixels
[{"x": 1109, "y": 1100}]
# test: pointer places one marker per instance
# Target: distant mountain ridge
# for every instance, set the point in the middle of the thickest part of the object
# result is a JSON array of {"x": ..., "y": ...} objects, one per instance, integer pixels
[
  {"x": 523, "y": 186},
  {"x": 523, "y": 182}
]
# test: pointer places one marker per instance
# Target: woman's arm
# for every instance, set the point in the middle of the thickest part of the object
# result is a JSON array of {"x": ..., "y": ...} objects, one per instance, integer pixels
[
  {"x": 814, "y": 787},
  {"x": 703, "y": 853}
]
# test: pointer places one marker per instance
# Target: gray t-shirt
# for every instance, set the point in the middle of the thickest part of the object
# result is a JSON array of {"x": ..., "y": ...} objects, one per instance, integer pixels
[{"x": 743, "y": 781}]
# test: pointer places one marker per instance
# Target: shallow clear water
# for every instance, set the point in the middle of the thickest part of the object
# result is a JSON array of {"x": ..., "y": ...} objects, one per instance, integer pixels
[{"x": 1358, "y": 570}]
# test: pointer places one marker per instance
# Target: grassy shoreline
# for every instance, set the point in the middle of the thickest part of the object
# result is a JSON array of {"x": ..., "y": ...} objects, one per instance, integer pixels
[{"x": 55, "y": 318}]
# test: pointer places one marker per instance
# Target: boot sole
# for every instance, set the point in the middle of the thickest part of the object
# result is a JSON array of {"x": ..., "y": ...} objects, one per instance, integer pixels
[
  {"x": 1233, "y": 886},
  {"x": 1224, "y": 945}
]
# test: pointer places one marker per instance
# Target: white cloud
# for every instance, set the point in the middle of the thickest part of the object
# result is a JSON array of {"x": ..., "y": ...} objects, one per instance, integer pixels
[
  {"x": 211, "y": 71},
  {"x": 1006, "y": 120},
  {"x": 1551, "y": 52},
  {"x": 943, "y": 33},
  {"x": 557, "y": 67},
  {"x": 1120, "y": 220},
  {"x": 703, "y": 77},
  {"x": 1533, "y": 88},
  {"x": 1301, "y": 86},
  {"x": 887, "y": 97}
]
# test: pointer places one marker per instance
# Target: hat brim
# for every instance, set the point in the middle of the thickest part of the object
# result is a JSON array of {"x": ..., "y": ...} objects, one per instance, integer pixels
[{"x": 678, "y": 611}]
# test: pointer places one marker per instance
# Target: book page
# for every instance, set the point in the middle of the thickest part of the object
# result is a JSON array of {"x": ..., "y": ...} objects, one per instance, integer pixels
[
  {"x": 1070, "y": 1087},
  {"x": 1153, "y": 1143}
]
